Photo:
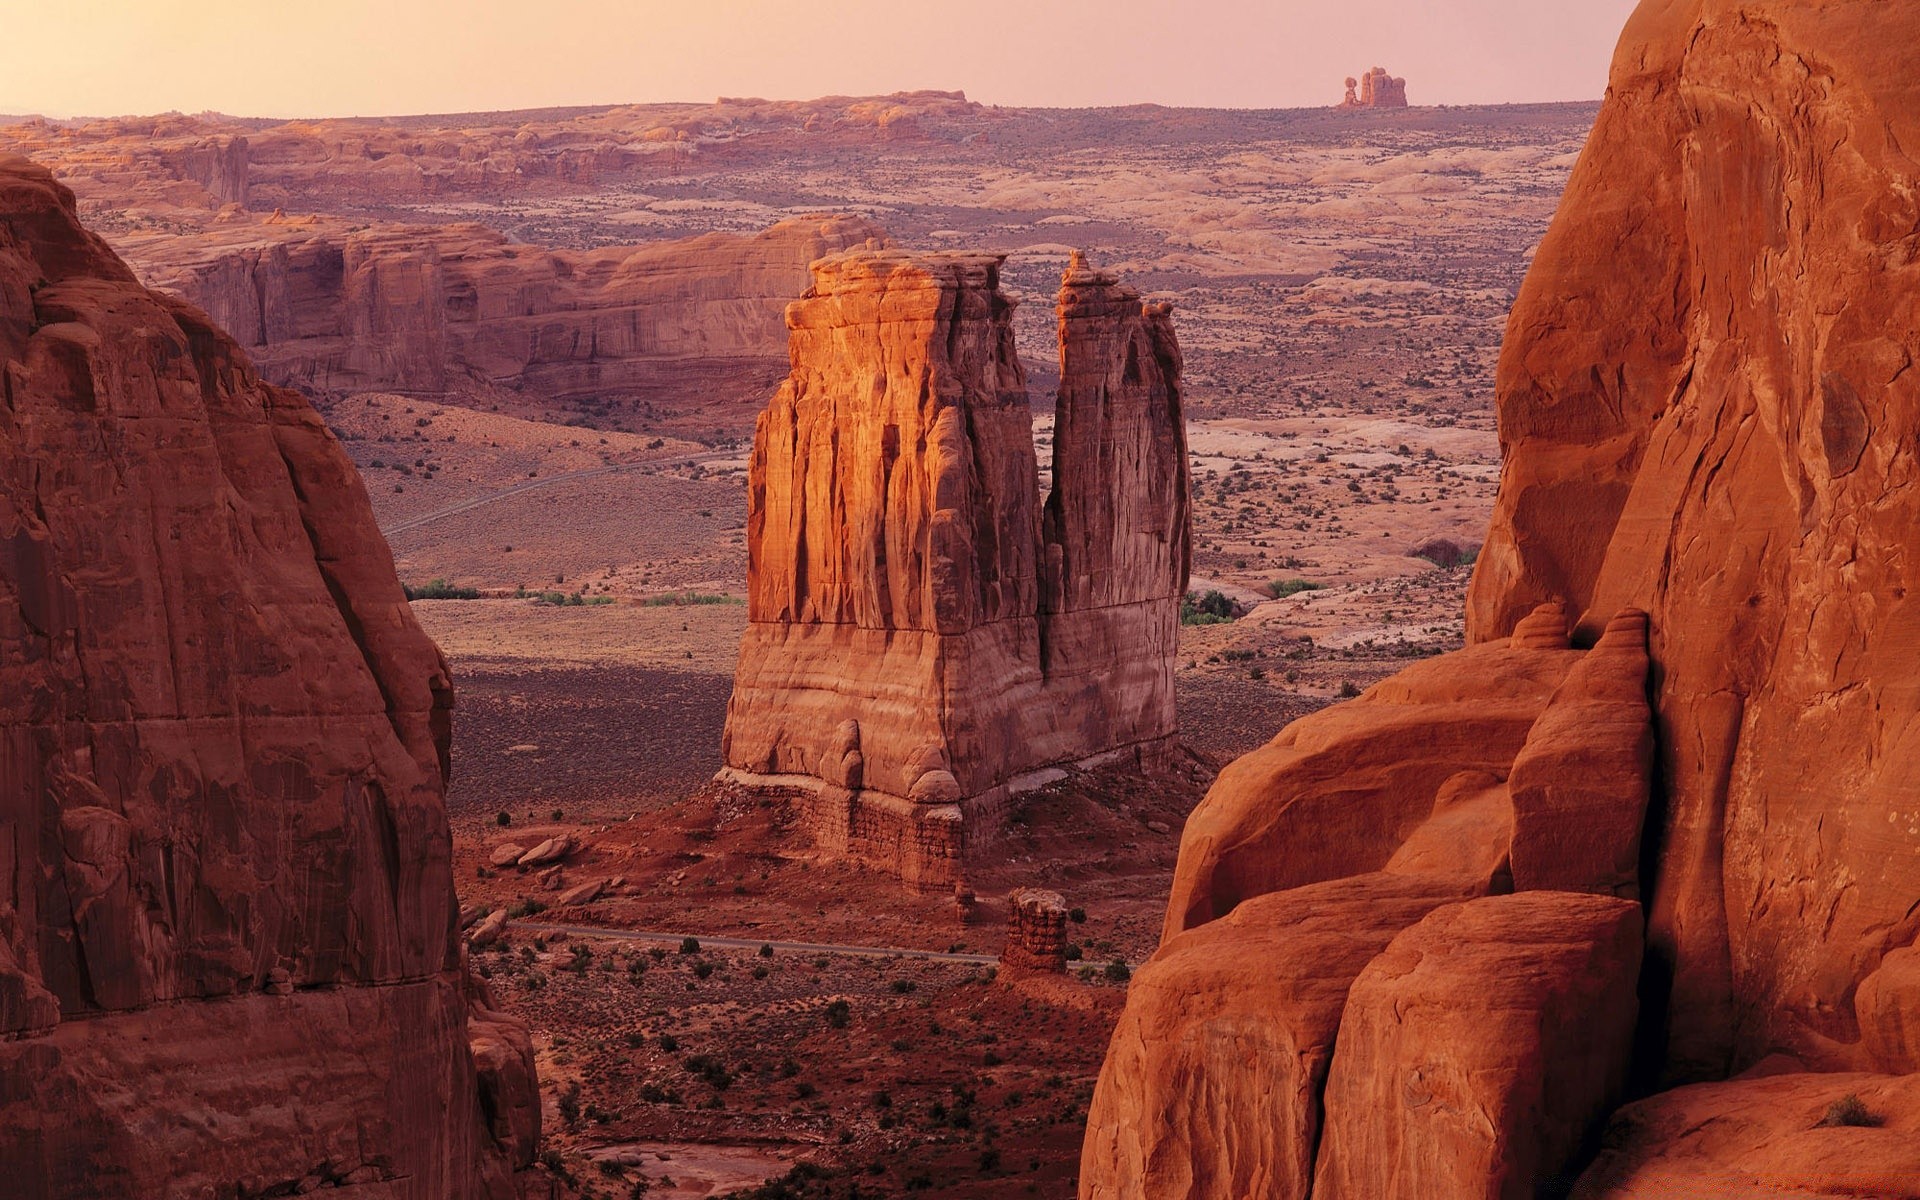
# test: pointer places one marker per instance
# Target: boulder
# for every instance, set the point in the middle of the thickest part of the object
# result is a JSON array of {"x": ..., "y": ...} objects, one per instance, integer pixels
[
  {"x": 1481, "y": 1050},
  {"x": 551, "y": 850},
  {"x": 506, "y": 854},
  {"x": 1211, "y": 1088},
  {"x": 580, "y": 893},
  {"x": 489, "y": 929}
]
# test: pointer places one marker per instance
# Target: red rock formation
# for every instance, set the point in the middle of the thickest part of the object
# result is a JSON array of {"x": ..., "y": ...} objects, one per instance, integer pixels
[
  {"x": 1211, "y": 1088},
  {"x": 1709, "y": 411},
  {"x": 223, "y": 849},
  {"x": 1479, "y": 1052},
  {"x": 429, "y": 309},
  {"x": 921, "y": 635},
  {"x": 1707, "y": 405},
  {"x": 1377, "y": 89},
  {"x": 1036, "y": 933},
  {"x": 1770, "y": 1138}
]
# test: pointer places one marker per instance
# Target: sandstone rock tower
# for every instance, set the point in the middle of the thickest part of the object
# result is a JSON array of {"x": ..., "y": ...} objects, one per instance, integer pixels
[
  {"x": 227, "y": 953},
  {"x": 1709, "y": 408},
  {"x": 924, "y": 633},
  {"x": 1375, "y": 89}
]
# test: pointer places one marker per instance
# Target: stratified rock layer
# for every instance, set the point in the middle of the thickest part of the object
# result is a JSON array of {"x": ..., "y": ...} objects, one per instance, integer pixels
[
  {"x": 432, "y": 309},
  {"x": 1708, "y": 407},
  {"x": 922, "y": 633},
  {"x": 227, "y": 955}
]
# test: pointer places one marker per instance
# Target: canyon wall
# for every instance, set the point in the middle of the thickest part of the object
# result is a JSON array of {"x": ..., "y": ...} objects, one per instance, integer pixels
[
  {"x": 923, "y": 631},
  {"x": 227, "y": 952},
  {"x": 430, "y": 309},
  {"x": 1709, "y": 415}
]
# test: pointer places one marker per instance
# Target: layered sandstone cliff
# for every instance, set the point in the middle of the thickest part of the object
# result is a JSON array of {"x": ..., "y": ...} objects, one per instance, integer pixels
[
  {"x": 923, "y": 630},
  {"x": 227, "y": 952},
  {"x": 1709, "y": 411},
  {"x": 432, "y": 309}
]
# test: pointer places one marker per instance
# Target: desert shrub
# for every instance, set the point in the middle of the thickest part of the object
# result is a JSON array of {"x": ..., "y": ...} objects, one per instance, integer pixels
[
  {"x": 766, "y": 950},
  {"x": 1280, "y": 589},
  {"x": 525, "y": 908},
  {"x": 903, "y": 986},
  {"x": 569, "y": 1104},
  {"x": 440, "y": 589},
  {"x": 710, "y": 1070},
  {"x": 702, "y": 968},
  {"x": 1851, "y": 1110},
  {"x": 839, "y": 1014},
  {"x": 1213, "y": 608},
  {"x": 1349, "y": 689},
  {"x": 669, "y": 1043},
  {"x": 503, "y": 818},
  {"x": 690, "y": 945},
  {"x": 680, "y": 599},
  {"x": 1117, "y": 971}
]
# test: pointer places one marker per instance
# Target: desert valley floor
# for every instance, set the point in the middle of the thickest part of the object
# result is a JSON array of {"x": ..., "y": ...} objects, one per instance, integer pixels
[{"x": 1341, "y": 282}]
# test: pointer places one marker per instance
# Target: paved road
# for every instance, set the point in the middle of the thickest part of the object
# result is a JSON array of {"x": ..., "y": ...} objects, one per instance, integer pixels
[
  {"x": 734, "y": 943},
  {"x": 411, "y": 523}
]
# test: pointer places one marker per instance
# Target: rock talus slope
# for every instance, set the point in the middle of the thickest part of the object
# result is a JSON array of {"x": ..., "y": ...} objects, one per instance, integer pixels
[
  {"x": 227, "y": 953},
  {"x": 923, "y": 630},
  {"x": 1709, "y": 413}
]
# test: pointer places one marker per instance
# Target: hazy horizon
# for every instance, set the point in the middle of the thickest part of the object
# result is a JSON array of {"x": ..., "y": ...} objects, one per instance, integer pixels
[{"x": 105, "y": 58}]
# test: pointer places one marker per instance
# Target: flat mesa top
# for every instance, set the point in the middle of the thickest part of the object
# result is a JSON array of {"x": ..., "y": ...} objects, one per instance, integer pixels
[{"x": 866, "y": 263}]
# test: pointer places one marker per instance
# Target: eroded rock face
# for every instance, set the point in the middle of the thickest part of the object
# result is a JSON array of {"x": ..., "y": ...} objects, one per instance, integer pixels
[
  {"x": 223, "y": 845},
  {"x": 1708, "y": 407},
  {"x": 432, "y": 308},
  {"x": 922, "y": 633},
  {"x": 1768, "y": 1138},
  {"x": 1481, "y": 1049},
  {"x": 1036, "y": 933},
  {"x": 1709, "y": 413}
]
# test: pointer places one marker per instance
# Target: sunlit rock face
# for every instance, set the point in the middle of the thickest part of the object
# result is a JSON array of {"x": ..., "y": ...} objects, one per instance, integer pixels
[
  {"x": 1685, "y": 735},
  {"x": 925, "y": 633},
  {"x": 227, "y": 954}
]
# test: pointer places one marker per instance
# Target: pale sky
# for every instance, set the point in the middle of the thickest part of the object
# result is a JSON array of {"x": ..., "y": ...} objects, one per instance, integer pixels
[{"x": 385, "y": 57}]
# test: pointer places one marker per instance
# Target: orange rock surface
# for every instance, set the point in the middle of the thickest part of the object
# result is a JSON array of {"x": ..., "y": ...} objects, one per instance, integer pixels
[
  {"x": 1769, "y": 1138},
  {"x": 1479, "y": 1052},
  {"x": 1708, "y": 408},
  {"x": 922, "y": 632},
  {"x": 227, "y": 954},
  {"x": 1707, "y": 405},
  {"x": 429, "y": 308}
]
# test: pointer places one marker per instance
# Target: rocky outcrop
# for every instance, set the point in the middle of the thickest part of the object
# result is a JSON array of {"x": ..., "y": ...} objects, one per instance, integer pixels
[
  {"x": 433, "y": 309},
  {"x": 1036, "y": 933},
  {"x": 923, "y": 634},
  {"x": 1780, "y": 1137},
  {"x": 1707, "y": 405},
  {"x": 1708, "y": 408},
  {"x": 1480, "y": 1051},
  {"x": 1375, "y": 89},
  {"x": 224, "y": 854}
]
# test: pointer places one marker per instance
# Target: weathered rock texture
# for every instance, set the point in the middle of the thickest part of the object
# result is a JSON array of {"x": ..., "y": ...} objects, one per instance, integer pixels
[
  {"x": 924, "y": 633},
  {"x": 430, "y": 309},
  {"x": 1709, "y": 410},
  {"x": 1036, "y": 933},
  {"x": 1708, "y": 406},
  {"x": 227, "y": 952},
  {"x": 1769, "y": 1138},
  {"x": 1480, "y": 1051},
  {"x": 1376, "y": 89}
]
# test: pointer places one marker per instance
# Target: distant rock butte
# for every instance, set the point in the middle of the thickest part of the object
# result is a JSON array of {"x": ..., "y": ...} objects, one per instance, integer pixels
[
  {"x": 1375, "y": 89},
  {"x": 1709, "y": 408},
  {"x": 228, "y": 961},
  {"x": 925, "y": 635}
]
